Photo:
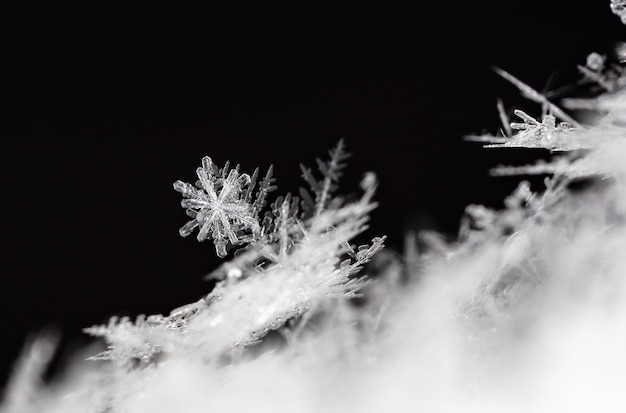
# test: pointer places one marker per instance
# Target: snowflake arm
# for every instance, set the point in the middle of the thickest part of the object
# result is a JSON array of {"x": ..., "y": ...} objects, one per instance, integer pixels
[{"x": 323, "y": 189}]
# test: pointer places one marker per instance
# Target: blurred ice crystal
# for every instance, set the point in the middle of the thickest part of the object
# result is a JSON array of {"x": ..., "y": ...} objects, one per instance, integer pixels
[
  {"x": 618, "y": 7},
  {"x": 595, "y": 61}
]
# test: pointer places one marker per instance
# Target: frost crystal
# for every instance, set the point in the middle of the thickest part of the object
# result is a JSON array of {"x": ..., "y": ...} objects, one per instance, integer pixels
[
  {"x": 544, "y": 133},
  {"x": 531, "y": 94},
  {"x": 292, "y": 263},
  {"x": 218, "y": 205},
  {"x": 534, "y": 134},
  {"x": 524, "y": 312}
]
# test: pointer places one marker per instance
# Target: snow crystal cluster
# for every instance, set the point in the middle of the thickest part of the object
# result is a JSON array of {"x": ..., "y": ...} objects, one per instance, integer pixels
[{"x": 525, "y": 311}]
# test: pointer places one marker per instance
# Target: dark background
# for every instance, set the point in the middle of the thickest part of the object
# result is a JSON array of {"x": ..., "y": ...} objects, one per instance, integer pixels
[{"x": 106, "y": 105}]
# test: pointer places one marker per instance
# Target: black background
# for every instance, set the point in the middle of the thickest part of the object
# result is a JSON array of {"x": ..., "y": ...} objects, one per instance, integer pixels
[{"x": 107, "y": 104}]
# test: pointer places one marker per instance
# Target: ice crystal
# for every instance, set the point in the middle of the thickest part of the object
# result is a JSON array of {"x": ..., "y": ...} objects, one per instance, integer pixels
[
  {"x": 27, "y": 383},
  {"x": 595, "y": 61},
  {"x": 532, "y": 133},
  {"x": 219, "y": 205},
  {"x": 609, "y": 77},
  {"x": 603, "y": 142},
  {"x": 523, "y": 312},
  {"x": 618, "y": 7},
  {"x": 544, "y": 134},
  {"x": 531, "y": 94},
  {"x": 331, "y": 170},
  {"x": 291, "y": 263}
]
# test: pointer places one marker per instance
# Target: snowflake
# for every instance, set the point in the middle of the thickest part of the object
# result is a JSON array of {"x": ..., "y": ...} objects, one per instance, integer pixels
[
  {"x": 219, "y": 205},
  {"x": 610, "y": 77},
  {"x": 618, "y": 7},
  {"x": 534, "y": 130},
  {"x": 534, "y": 134}
]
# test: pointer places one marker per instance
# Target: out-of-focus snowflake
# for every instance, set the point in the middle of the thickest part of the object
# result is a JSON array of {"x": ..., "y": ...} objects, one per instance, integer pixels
[
  {"x": 618, "y": 7},
  {"x": 219, "y": 205},
  {"x": 610, "y": 77}
]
